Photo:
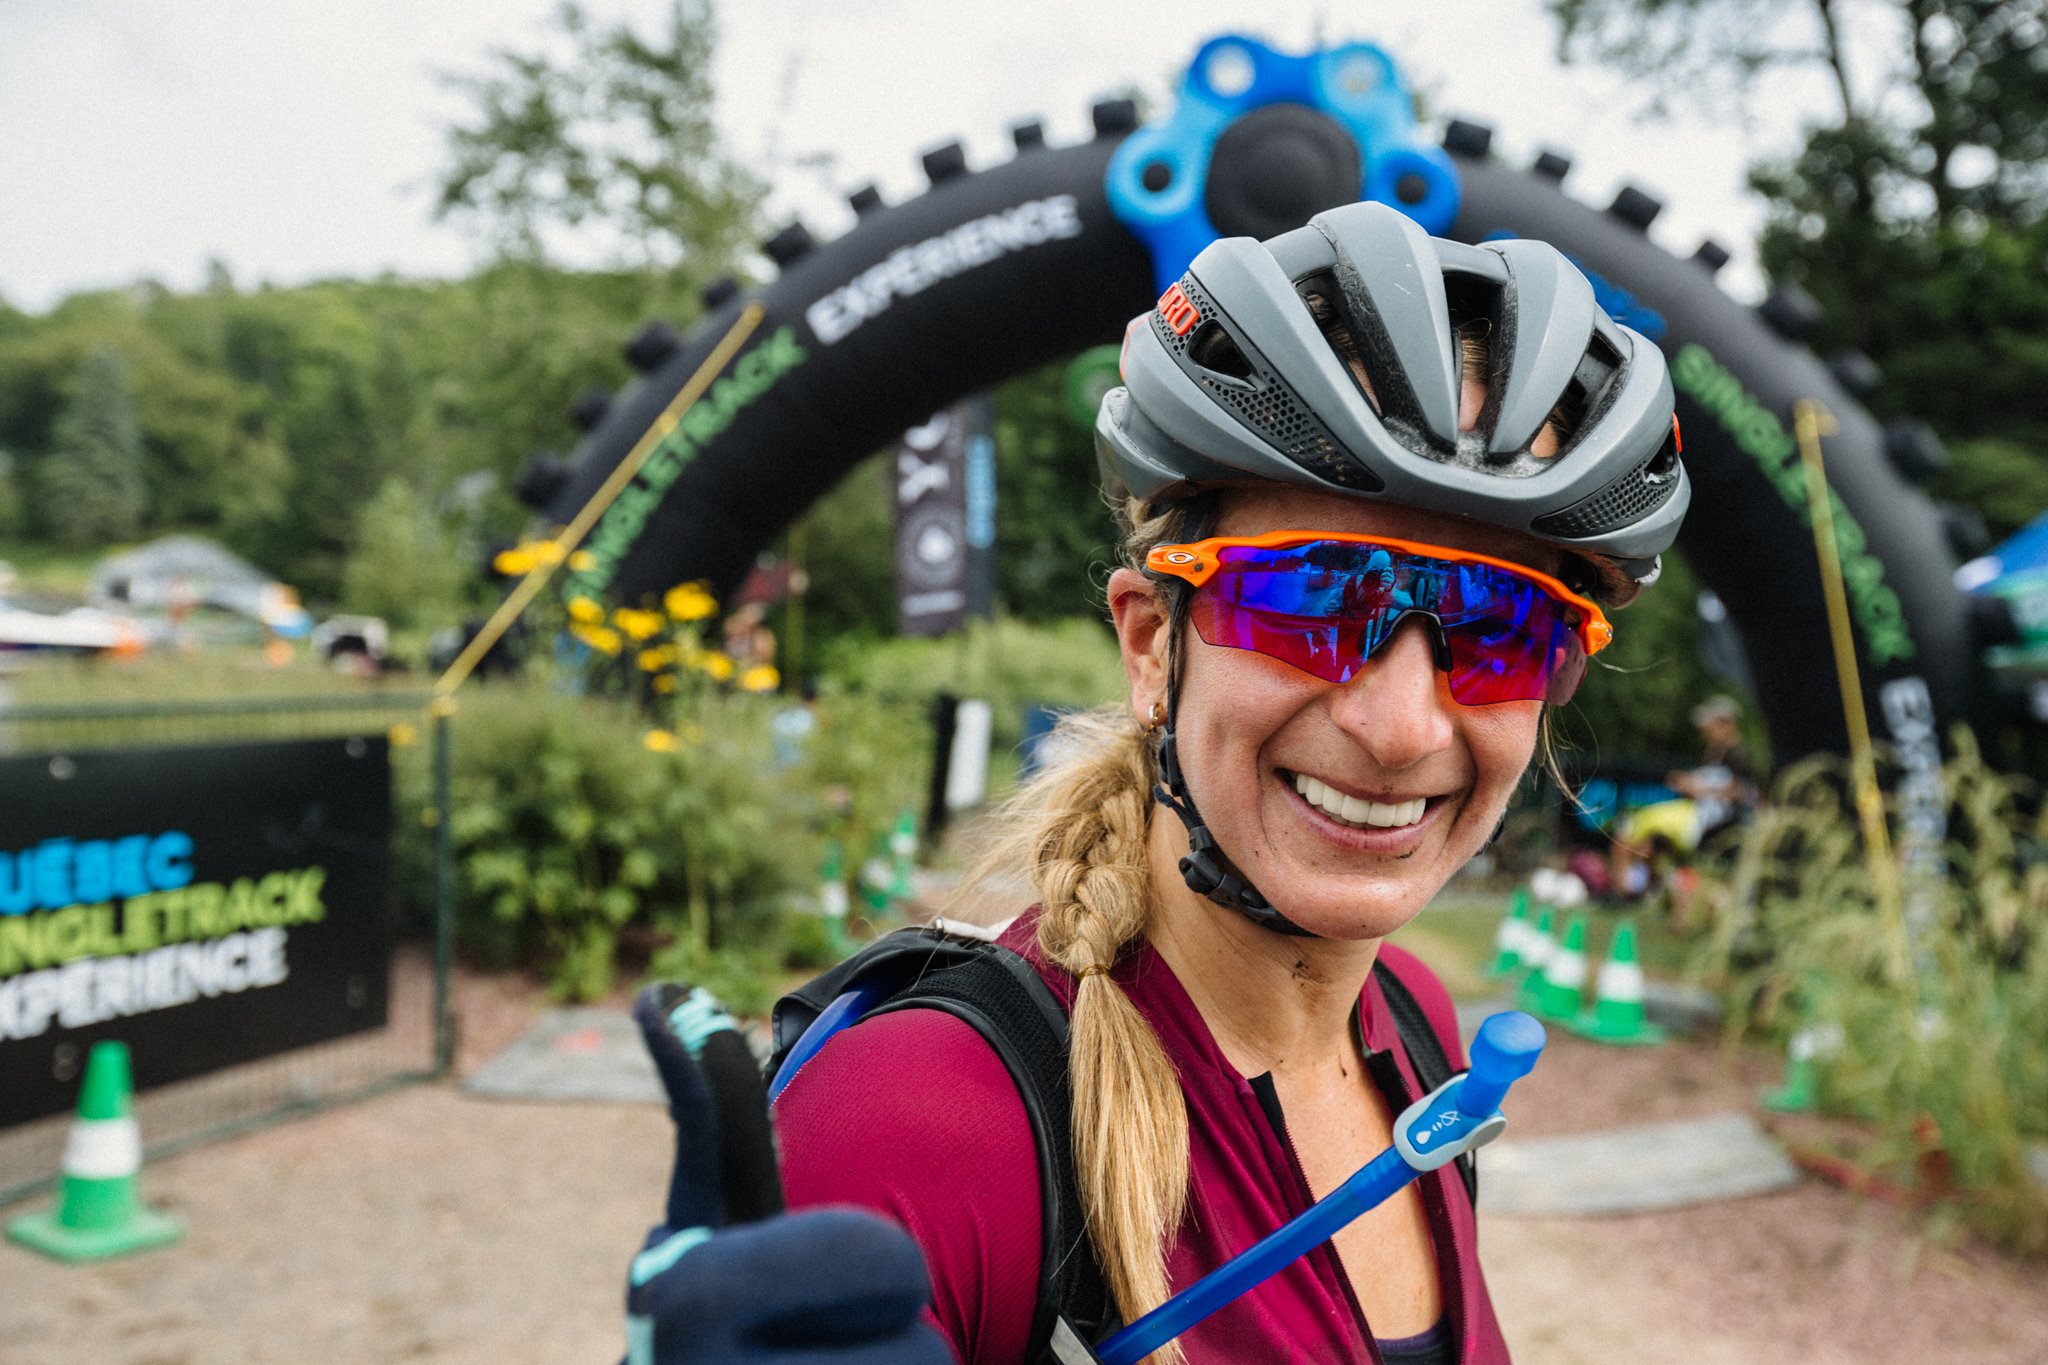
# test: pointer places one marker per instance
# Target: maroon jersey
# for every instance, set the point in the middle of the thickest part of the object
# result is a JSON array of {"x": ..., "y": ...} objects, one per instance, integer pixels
[{"x": 913, "y": 1115}]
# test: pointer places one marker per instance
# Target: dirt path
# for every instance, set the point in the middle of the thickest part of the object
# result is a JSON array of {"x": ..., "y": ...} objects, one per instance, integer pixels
[{"x": 426, "y": 1225}]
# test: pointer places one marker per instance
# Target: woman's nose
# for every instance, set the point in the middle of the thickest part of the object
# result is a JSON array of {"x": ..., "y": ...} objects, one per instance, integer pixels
[{"x": 1399, "y": 705}]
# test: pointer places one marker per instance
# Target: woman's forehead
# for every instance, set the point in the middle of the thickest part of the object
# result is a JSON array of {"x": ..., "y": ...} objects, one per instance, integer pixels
[{"x": 1277, "y": 507}]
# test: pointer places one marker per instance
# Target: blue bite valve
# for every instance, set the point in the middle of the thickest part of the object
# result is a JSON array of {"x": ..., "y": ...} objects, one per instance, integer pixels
[{"x": 1504, "y": 1051}]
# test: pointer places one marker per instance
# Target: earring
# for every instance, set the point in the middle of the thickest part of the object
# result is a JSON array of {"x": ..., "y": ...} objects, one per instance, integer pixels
[{"x": 1155, "y": 718}]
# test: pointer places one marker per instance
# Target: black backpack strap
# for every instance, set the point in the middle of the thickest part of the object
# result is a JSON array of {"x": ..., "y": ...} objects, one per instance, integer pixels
[
  {"x": 1425, "y": 1051},
  {"x": 1004, "y": 999}
]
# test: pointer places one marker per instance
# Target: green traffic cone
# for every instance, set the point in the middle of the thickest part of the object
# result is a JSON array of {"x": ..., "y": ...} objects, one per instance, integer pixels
[
  {"x": 1508, "y": 939},
  {"x": 99, "y": 1211},
  {"x": 1537, "y": 946},
  {"x": 832, "y": 897},
  {"x": 1800, "y": 1091},
  {"x": 877, "y": 875},
  {"x": 1617, "y": 1015},
  {"x": 902, "y": 855},
  {"x": 1562, "y": 987}
]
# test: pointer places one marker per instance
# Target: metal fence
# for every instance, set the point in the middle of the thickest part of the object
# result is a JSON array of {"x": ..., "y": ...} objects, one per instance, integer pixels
[{"x": 417, "y": 1041}]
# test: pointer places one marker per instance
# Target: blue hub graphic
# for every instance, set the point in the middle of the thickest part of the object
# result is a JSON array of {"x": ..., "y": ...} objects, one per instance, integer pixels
[{"x": 1261, "y": 140}]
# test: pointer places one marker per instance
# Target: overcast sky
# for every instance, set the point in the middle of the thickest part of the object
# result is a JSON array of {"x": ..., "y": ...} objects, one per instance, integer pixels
[{"x": 295, "y": 140}]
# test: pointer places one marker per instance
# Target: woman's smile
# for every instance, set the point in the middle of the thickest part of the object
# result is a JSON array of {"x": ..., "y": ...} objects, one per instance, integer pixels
[{"x": 1386, "y": 824}]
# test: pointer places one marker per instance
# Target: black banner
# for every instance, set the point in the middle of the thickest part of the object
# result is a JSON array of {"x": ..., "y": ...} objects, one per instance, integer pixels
[
  {"x": 945, "y": 520},
  {"x": 209, "y": 906}
]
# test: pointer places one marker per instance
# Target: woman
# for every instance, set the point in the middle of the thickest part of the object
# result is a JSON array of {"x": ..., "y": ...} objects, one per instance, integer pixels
[{"x": 1376, "y": 489}]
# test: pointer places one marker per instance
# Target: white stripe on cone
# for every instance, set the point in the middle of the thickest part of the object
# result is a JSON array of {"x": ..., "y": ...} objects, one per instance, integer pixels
[
  {"x": 1508, "y": 938},
  {"x": 1566, "y": 969},
  {"x": 103, "y": 1149},
  {"x": 832, "y": 899},
  {"x": 1620, "y": 982}
]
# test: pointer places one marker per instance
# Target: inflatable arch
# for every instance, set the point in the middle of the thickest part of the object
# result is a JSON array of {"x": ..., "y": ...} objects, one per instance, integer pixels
[{"x": 991, "y": 273}]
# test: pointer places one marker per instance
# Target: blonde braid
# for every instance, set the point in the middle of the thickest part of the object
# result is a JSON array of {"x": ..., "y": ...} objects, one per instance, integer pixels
[
  {"x": 1130, "y": 1130},
  {"x": 1080, "y": 831}
]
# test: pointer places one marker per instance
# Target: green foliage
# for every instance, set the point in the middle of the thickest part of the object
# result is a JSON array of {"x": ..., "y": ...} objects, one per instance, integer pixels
[
  {"x": 1937, "y": 1001},
  {"x": 1915, "y": 216},
  {"x": 266, "y": 417},
  {"x": 583, "y": 837},
  {"x": 847, "y": 545},
  {"x": 88, "y": 489},
  {"x": 1710, "y": 49},
  {"x": 1009, "y": 663},
  {"x": 401, "y": 568},
  {"x": 2005, "y": 481},
  {"x": 12, "y": 504},
  {"x": 616, "y": 134},
  {"x": 570, "y": 830},
  {"x": 1639, "y": 692},
  {"x": 1054, "y": 532}
]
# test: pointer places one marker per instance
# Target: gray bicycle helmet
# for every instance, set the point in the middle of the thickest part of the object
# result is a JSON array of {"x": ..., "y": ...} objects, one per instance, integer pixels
[{"x": 1333, "y": 356}]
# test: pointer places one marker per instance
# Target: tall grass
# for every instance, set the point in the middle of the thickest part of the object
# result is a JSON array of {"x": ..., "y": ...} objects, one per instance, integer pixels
[{"x": 1933, "y": 1003}]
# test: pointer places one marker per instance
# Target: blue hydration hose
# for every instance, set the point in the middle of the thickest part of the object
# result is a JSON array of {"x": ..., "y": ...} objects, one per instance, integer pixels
[
  {"x": 1458, "y": 1116},
  {"x": 840, "y": 1015}
]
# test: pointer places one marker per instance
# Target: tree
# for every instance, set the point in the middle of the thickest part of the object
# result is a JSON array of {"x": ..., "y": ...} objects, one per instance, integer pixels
[
  {"x": 401, "y": 568},
  {"x": 10, "y": 496},
  {"x": 88, "y": 488},
  {"x": 617, "y": 137},
  {"x": 1915, "y": 214},
  {"x": 1054, "y": 532}
]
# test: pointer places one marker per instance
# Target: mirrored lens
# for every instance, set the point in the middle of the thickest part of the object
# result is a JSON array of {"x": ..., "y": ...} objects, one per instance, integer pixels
[{"x": 1326, "y": 607}]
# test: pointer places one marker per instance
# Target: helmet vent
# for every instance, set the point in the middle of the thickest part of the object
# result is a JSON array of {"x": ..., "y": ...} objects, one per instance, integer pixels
[
  {"x": 1624, "y": 502},
  {"x": 1244, "y": 386},
  {"x": 1212, "y": 348}
]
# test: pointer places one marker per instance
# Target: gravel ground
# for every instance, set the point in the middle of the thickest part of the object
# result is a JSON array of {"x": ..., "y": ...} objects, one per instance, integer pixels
[{"x": 428, "y": 1225}]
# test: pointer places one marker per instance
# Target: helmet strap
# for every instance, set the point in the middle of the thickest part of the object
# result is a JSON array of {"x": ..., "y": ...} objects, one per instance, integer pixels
[{"x": 1206, "y": 869}]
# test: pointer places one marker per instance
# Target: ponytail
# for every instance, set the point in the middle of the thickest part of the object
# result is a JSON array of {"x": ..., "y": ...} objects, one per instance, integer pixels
[
  {"x": 1081, "y": 832},
  {"x": 1130, "y": 1123}
]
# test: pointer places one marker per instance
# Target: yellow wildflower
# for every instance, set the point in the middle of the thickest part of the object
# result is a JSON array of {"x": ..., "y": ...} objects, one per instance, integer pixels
[
  {"x": 582, "y": 562},
  {"x": 760, "y": 678},
  {"x": 718, "y": 665},
  {"x": 656, "y": 659},
  {"x": 603, "y": 639},
  {"x": 660, "y": 741},
  {"x": 638, "y": 625},
  {"x": 547, "y": 552},
  {"x": 514, "y": 563},
  {"x": 585, "y": 612},
  {"x": 689, "y": 602},
  {"x": 665, "y": 683}
]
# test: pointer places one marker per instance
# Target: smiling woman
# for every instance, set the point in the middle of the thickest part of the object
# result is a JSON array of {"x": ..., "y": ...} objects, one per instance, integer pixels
[{"x": 1378, "y": 492}]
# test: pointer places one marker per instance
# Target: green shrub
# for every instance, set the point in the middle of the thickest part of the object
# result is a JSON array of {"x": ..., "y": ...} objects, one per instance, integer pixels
[
  {"x": 580, "y": 826},
  {"x": 1935, "y": 1001},
  {"x": 1011, "y": 664}
]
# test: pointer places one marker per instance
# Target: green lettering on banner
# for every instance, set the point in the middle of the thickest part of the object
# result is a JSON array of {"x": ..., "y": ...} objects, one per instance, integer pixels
[
  {"x": 273, "y": 902},
  {"x": 305, "y": 905},
  {"x": 752, "y": 375},
  {"x": 206, "y": 909},
  {"x": 21, "y": 944},
  {"x": 64, "y": 933},
  {"x": 138, "y": 923},
  {"x": 1759, "y": 434},
  {"x": 100, "y": 938}
]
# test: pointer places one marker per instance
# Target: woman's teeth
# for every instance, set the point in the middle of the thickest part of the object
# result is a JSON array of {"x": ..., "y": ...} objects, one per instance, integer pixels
[{"x": 1352, "y": 811}]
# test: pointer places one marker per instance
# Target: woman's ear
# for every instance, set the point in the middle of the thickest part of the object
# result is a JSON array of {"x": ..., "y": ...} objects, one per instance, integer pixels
[{"x": 1138, "y": 610}]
